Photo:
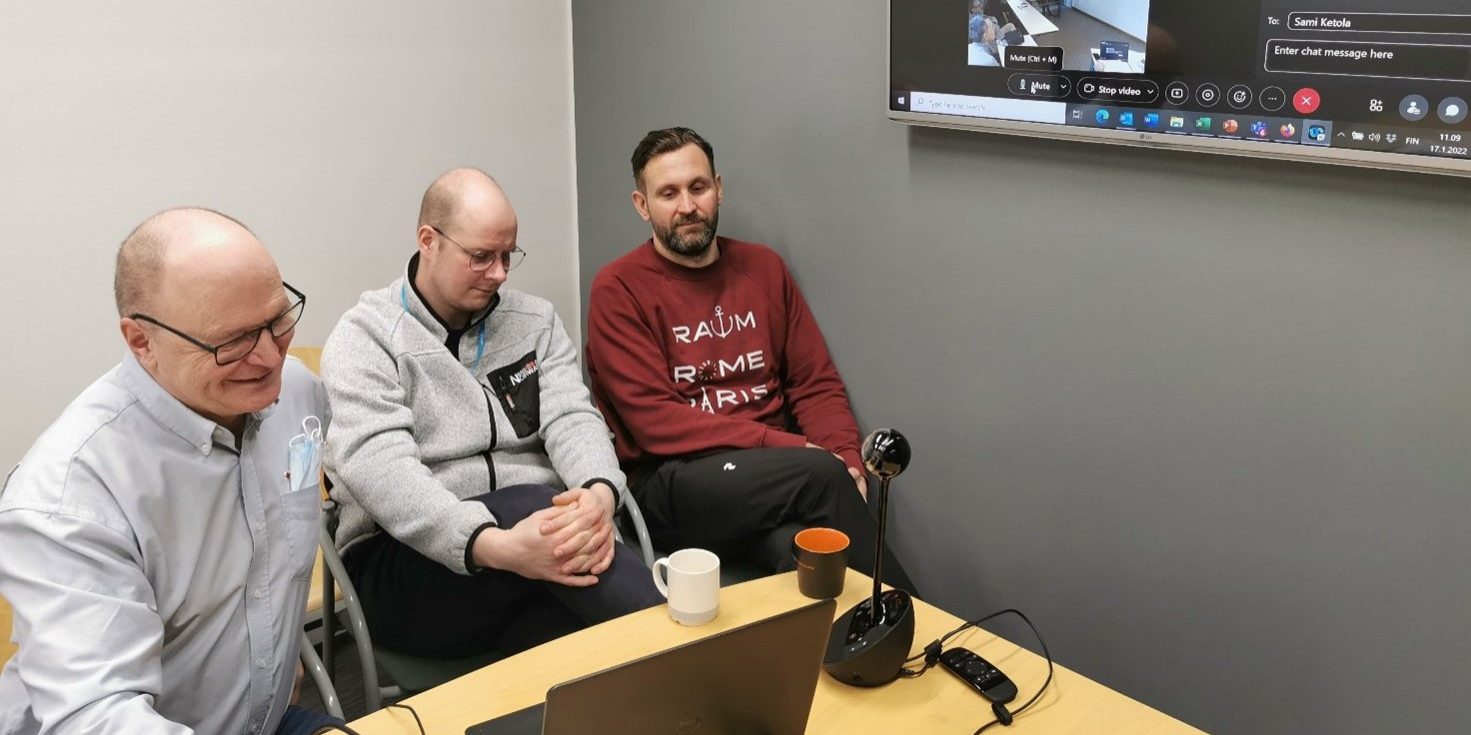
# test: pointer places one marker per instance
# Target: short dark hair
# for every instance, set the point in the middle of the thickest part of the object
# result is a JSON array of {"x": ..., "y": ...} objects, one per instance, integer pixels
[{"x": 668, "y": 140}]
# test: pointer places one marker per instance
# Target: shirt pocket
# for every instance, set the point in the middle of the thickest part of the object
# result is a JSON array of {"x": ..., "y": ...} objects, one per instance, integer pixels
[
  {"x": 518, "y": 388},
  {"x": 302, "y": 512}
]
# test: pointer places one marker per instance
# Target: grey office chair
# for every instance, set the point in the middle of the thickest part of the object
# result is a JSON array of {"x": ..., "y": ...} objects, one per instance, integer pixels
[
  {"x": 411, "y": 674},
  {"x": 318, "y": 673}
]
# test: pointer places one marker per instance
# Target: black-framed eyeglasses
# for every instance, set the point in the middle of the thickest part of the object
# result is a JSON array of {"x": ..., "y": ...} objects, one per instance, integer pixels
[
  {"x": 480, "y": 260},
  {"x": 236, "y": 349}
]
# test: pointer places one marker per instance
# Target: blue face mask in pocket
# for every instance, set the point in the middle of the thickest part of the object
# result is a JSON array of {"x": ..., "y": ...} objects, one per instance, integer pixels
[{"x": 304, "y": 456}]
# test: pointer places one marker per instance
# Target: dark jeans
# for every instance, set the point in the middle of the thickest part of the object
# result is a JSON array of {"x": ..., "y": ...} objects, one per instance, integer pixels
[
  {"x": 301, "y": 721},
  {"x": 749, "y": 503},
  {"x": 417, "y": 606}
]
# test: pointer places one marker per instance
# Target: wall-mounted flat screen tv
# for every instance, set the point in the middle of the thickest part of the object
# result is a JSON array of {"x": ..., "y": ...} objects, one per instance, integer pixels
[{"x": 1381, "y": 83}]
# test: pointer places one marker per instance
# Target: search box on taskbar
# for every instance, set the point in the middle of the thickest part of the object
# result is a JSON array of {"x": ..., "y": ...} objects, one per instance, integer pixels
[{"x": 997, "y": 108}]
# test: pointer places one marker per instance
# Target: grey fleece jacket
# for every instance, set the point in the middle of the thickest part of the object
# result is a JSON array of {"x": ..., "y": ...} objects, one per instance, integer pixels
[{"x": 416, "y": 430}]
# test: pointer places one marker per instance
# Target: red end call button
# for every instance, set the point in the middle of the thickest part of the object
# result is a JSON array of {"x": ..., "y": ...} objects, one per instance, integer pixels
[{"x": 1306, "y": 100}]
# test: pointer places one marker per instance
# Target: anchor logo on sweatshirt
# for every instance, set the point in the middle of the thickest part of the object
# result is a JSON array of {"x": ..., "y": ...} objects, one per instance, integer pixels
[{"x": 721, "y": 326}]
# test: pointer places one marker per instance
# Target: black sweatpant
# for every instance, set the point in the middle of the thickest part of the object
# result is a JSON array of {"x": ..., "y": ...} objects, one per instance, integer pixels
[
  {"x": 418, "y": 606},
  {"x": 749, "y": 503}
]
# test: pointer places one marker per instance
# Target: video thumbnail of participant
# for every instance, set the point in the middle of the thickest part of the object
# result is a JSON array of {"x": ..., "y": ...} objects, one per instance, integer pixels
[{"x": 1095, "y": 35}]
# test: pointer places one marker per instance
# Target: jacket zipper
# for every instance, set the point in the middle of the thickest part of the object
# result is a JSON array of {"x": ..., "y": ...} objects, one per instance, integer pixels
[{"x": 490, "y": 409}]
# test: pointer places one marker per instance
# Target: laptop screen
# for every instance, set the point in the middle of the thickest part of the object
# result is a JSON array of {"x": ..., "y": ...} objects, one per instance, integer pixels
[{"x": 758, "y": 678}]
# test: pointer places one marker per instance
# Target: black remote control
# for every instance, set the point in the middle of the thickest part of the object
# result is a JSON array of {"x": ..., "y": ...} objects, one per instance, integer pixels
[{"x": 979, "y": 674}]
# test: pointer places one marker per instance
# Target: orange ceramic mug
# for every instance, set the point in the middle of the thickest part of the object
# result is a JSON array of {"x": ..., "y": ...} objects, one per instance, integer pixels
[{"x": 822, "y": 562}]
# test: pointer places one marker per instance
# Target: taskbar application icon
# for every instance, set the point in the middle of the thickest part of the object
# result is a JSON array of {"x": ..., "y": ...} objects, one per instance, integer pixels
[
  {"x": 1286, "y": 130},
  {"x": 1317, "y": 132},
  {"x": 1104, "y": 117},
  {"x": 1266, "y": 129}
]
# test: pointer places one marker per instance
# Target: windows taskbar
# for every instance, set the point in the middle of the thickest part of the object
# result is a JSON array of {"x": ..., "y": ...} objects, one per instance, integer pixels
[{"x": 1416, "y": 141}]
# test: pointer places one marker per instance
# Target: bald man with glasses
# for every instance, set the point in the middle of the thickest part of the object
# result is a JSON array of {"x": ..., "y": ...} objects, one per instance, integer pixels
[
  {"x": 477, "y": 481},
  {"x": 154, "y": 542}
]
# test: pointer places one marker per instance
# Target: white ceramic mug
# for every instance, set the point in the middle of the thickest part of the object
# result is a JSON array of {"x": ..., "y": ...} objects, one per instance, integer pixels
[{"x": 693, "y": 586}]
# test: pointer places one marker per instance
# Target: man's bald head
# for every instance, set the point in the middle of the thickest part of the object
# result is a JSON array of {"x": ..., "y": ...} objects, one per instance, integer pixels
[
  {"x": 465, "y": 217},
  {"x": 199, "y": 278},
  {"x": 457, "y": 190},
  {"x": 146, "y": 252}
]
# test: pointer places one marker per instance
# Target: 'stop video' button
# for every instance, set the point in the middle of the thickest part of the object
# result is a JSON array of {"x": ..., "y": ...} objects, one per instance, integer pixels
[{"x": 1140, "y": 91}]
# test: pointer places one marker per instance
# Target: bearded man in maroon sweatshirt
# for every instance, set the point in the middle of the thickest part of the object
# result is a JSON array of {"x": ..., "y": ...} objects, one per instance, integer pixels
[{"x": 728, "y": 415}]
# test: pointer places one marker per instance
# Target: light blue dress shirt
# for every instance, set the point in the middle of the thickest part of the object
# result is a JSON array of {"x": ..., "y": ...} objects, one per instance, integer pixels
[{"x": 158, "y": 574}]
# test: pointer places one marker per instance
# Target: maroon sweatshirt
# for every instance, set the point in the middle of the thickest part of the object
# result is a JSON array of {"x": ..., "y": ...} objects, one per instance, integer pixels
[{"x": 691, "y": 360}]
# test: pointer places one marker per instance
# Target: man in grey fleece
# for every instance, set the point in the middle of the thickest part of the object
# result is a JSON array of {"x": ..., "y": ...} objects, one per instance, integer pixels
[{"x": 459, "y": 415}]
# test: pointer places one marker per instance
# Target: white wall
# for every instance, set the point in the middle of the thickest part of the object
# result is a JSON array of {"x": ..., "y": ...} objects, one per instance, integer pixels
[
  {"x": 1129, "y": 16},
  {"x": 318, "y": 124}
]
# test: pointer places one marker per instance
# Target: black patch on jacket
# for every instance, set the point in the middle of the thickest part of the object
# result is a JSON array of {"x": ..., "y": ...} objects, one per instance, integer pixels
[{"x": 518, "y": 387}]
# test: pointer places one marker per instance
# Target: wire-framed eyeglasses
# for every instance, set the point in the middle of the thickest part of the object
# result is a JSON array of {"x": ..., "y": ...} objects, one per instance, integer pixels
[
  {"x": 235, "y": 349},
  {"x": 480, "y": 260}
]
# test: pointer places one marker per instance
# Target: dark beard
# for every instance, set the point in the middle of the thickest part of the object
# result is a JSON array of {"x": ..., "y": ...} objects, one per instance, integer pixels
[{"x": 693, "y": 246}]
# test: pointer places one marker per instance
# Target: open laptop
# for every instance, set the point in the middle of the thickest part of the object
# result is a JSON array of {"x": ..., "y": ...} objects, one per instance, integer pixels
[{"x": 758, "y": 678}]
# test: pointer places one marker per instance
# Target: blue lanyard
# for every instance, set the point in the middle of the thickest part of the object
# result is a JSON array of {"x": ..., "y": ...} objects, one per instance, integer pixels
[{"x": 403, "y": 298}]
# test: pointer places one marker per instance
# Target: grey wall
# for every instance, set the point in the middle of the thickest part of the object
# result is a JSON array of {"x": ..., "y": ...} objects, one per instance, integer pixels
[{"x": 1204, "y": 418}]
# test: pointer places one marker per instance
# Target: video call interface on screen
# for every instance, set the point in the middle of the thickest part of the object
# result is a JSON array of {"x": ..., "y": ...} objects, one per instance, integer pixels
[{"x": 1372, "y": 75}]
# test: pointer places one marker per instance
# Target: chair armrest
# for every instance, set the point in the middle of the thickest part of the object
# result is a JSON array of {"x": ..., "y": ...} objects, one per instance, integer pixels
[
  {"x": 318, "y": 672},
  {"x": 357, "y": 622},
  {"x": 640, "y": 528}
]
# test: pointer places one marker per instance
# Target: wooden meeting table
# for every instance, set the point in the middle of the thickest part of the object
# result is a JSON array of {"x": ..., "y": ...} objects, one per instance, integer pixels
[{"x": 934, "y": 703}]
